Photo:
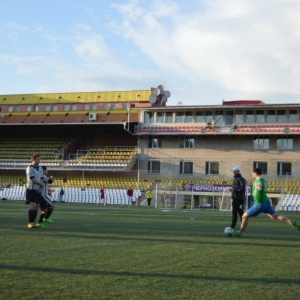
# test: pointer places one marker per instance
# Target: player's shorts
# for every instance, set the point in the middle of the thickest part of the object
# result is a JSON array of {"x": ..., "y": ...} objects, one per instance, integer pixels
[
  {"x": 102, "y": 197},
  {"x": 257, "y": 209},
  {"x": 32, "y": 196},
  {"x": 46, "y": 203},
  {"x": 130, "y": 198}
]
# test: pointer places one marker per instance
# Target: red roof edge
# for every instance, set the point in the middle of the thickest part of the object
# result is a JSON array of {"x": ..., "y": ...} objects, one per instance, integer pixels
[{"x": 243, "y": 102}]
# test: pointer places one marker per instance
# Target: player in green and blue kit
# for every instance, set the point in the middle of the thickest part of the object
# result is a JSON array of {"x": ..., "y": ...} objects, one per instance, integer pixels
[{"x": 262, "y": 204}]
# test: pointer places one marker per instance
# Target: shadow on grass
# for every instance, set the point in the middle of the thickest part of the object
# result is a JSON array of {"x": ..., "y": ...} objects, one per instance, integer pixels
[
  {"x": 150, "y": 275},
  {"x": 134, "y": 237},
  {"x": 150, "y": 228}
]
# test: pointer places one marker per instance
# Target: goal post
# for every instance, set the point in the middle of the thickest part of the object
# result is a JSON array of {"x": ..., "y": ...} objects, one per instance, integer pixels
[
  {"x": 226, "y": 201},
  {"x": 166, "y": 191}
]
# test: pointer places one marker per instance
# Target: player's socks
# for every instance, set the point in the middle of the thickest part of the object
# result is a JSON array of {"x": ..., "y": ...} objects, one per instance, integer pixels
[
  {"x": 42, "y": 216},
  {"x": 32, "y": 215},
  {"x": 48, "y": 213}
]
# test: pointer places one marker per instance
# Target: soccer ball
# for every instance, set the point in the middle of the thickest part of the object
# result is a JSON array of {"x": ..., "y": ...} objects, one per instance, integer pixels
[{"x": 228, "y": 231}]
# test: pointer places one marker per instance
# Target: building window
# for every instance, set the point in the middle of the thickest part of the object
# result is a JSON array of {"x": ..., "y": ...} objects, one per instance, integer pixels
[
  {"x": 187, "y": 142},
  {"x": 260, "y": 116},
  {"x": 106, "y": 106},
  {"x": 28, "y": 108},
  {"x": 261, "y": 143},
  {"x": 94, "y": 106},
  {"x": 293, "y": 116},
  {"x": 17, "y": 108},
  {"x": 284, "y": 168},
  {"x": 47, "y": 107},
  {"x": 154, "y": 142},
  {"x": 54, "y": 108},
  {"x": 36, "y": 108},
  {"x": 281, "y": 116},
  {"x": 160, "y": 117},
  {"x": 219, "y": 119},
  {"x": 188, "y": 117},
  {"x": 239, "y": 118},
  {"x": 149, "y": 118},
  {"x": 261, "y": 165},
  {"x": 169, "y": 117},
  {"x": 66, "y": 107},
  {"x": 153, "y": 166},
  {"x": 211, "y": 168},
  {"x": 271, "y": 116},
  {"x": 179, "y": 117},
  {"x": 86, "y": 107},
  {"x": 186, "y": 167},
  {"x": 114, "y": 106},
  {"x": 199, "y": 118},
  {"x": 74, "y": 107},
  {"x": 229, "y": 118},
  {"x": 208, "y": 116},
  {"x": 10, "y": 109},
  {"x": 249, "y": 116},
  {"x": 124, "y": 106},
  {"x": 284, "y": 142}
]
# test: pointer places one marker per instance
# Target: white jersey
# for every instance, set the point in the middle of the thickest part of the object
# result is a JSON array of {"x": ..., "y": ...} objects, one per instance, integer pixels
[{"x": 33, "y": 172}]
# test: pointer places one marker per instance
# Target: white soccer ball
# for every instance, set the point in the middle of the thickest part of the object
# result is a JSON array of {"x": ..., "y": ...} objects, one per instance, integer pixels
[{"x": 228, "y": 231}]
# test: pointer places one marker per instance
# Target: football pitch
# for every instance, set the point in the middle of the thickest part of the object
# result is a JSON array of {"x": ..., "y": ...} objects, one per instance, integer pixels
[{"x": 113, "y": 252}]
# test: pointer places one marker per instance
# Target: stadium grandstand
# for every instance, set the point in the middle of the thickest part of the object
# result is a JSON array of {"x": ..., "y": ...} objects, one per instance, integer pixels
[{"x": 131, "y": 138}]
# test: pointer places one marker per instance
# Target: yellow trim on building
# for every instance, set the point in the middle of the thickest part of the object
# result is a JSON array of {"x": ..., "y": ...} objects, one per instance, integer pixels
[
  {"x": 70, "y": 112},
  {"x": 80, "y": 97}
]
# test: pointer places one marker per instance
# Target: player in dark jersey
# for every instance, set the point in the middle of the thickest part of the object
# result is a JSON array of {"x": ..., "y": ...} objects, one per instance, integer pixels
[
  {"x": 34, "y": 174},
  {"x": 238, "y": 195},
  {"x": 47, "y": 205}
]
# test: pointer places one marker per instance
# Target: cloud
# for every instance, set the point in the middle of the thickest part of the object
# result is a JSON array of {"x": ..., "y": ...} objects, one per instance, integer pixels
[
  {"x": 243, "y": 47},
  {"x": 89, "y": 64},
  {"x": 202, "y": 51}
]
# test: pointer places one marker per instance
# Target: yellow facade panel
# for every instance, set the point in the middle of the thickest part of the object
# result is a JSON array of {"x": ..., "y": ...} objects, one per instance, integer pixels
[{"x": 112, "y": 96}]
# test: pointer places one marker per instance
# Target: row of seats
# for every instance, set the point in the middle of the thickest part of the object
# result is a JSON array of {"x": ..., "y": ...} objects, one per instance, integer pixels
[
  {"x": 22, "y": 148},
  {"x": 290, "y": 202},
  {"x": 109, "y": 149},
  {"x": 87, "y": 195},
  {"x": 115, "y": 196},
  {"x": 275, "y": 186},
  {"x": 120, "y": 157}
]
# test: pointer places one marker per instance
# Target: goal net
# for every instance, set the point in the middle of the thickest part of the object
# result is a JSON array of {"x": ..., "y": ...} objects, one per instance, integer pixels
[
  {"x": 166, "y": 192},
  {"x": 226, "y": 202}
]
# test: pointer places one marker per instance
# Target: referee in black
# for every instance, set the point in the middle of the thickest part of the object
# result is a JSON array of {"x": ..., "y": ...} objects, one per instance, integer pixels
[
  {"x": 238, "y": 195},
  {"x": 35, "y": 186}
]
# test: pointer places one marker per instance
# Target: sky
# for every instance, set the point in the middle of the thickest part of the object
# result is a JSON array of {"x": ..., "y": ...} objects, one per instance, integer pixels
[{"x": 202, "y": 51}]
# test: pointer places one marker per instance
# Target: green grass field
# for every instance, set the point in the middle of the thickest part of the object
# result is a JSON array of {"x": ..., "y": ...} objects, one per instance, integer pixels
[{"x": 141, "y": 253}]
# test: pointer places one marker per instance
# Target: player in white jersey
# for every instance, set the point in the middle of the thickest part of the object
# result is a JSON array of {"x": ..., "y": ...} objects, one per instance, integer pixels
[
  {"x": 35, "y": 185},
  {"x": 47, "y": 205}
]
